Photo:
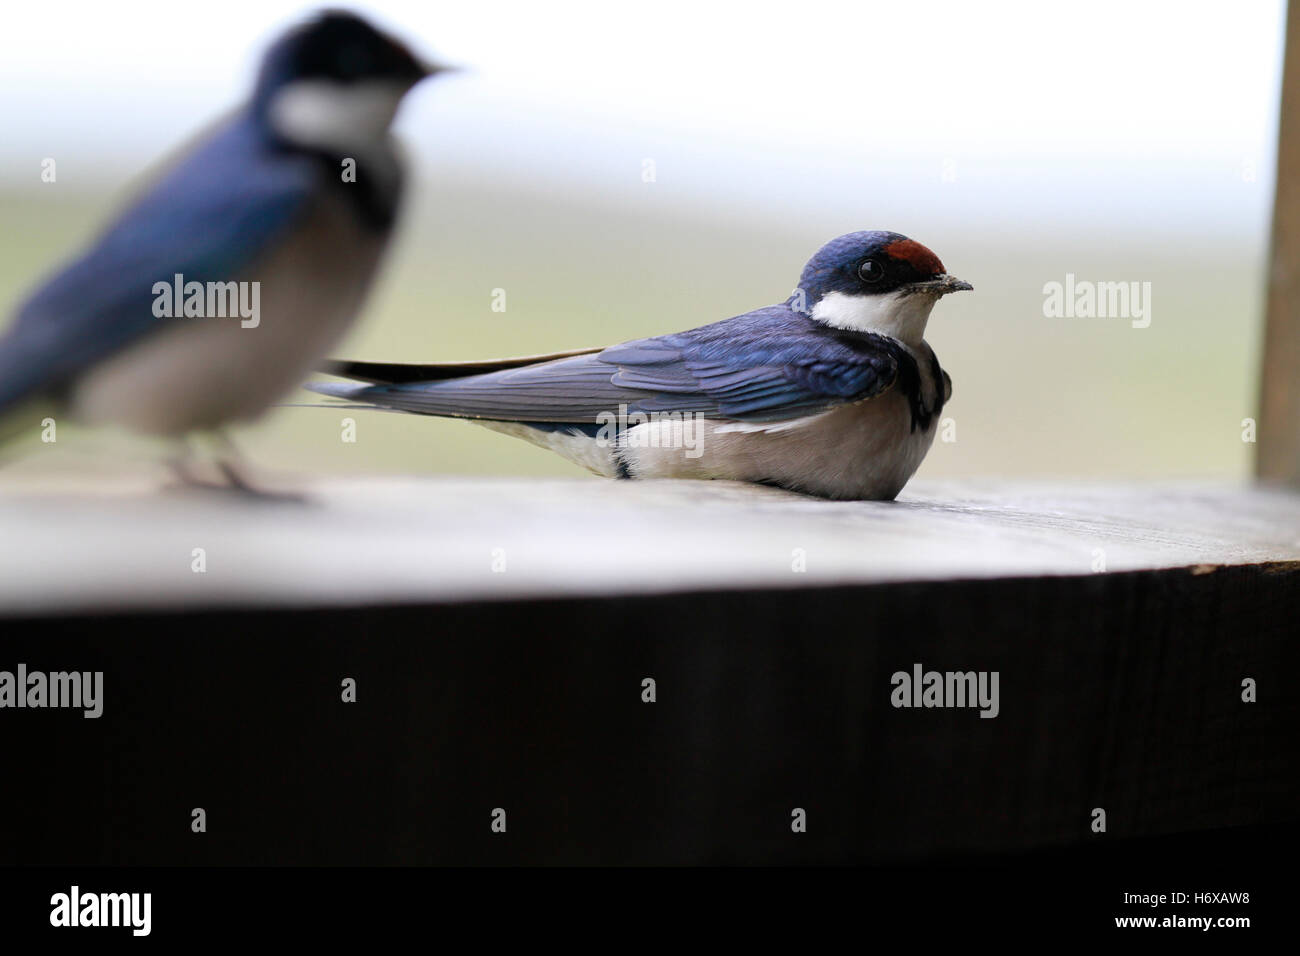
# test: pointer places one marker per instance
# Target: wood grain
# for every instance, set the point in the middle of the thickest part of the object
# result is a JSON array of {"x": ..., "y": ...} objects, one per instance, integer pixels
[{"x": 123, "y": 545}]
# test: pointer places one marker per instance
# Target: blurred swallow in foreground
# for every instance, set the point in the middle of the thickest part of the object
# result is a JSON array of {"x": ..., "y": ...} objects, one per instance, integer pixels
[
  {"x": 833, "y": 393},
  {"x": 232, "y": 275}
]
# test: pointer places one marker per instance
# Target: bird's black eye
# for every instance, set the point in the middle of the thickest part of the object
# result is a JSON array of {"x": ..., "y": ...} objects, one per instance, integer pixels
[{"x": 871, "y": 270}]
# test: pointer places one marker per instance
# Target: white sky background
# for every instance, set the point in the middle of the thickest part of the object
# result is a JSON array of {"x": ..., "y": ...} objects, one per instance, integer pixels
[{"x": 1150, "y": 117}]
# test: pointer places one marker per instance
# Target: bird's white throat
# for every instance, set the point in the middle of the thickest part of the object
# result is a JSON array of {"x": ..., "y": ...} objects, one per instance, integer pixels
[
  {"x": 900, "y": 315},
  {"x": 335, "y": 116}
]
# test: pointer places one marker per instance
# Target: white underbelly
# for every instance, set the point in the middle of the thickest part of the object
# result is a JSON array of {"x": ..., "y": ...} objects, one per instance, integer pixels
[
  {"x": 863, "y": 451},
  {"x": 867, "y": 450},
  {"x": 594, "y": 455},
  {"x": 204, "y": 372}
]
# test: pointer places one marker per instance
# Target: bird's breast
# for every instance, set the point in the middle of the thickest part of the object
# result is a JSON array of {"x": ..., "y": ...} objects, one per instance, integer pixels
[{"x": 201, "y": 372}]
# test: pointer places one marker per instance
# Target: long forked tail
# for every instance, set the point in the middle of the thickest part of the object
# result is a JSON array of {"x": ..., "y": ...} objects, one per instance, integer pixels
[
  {"x": 403, "y": 373},
  {"x": 343, "y": 390},
  {"x": 562, "y": 387}
]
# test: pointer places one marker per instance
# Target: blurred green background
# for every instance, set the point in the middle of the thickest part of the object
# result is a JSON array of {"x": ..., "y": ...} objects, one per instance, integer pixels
[
  {"x": 1020, "y": 141},
  {"x": 1032, "y": 396}
]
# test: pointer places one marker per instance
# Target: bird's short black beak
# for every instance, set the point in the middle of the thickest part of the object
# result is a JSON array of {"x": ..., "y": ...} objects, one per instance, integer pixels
[{"x": 940, "y": 285}]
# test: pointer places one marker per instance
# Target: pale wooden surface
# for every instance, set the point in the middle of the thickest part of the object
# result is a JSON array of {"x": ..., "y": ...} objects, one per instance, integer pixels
[
  {"x": 1278, "y": 450},
  {"x": 129, "y": 545}
]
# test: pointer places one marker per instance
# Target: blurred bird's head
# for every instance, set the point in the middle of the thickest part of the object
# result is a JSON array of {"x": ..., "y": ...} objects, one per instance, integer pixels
[
  {"x": 874, "y": 282},
  {"x": 334, "y": 82}
]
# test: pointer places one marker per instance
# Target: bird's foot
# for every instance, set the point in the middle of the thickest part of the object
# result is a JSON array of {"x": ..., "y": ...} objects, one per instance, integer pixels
[
  {"x": 229, "y": 476},
  {"x": 238, "y": 480}
]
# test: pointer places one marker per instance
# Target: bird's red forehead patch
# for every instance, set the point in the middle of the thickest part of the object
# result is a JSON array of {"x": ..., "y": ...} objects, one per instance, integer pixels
[{"x": 919, "y": 257}]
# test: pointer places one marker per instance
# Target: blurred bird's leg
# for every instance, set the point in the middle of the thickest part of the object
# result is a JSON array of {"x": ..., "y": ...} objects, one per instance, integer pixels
[
  {"x": 231, "y": 464},
  {"x": 212, "y": 464},
  {"x": 185, "y": 462}
]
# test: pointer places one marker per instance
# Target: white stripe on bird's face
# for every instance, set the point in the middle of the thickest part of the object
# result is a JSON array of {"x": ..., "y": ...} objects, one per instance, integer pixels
[
  {"x": 340, "y": 117},
  {"x": 901, "y": 315}
]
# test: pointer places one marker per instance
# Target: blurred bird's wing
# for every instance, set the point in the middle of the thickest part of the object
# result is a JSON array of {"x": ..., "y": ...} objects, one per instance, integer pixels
[
  {"x": 212, "y": 214},
  {"x": 769, "y": 365}
]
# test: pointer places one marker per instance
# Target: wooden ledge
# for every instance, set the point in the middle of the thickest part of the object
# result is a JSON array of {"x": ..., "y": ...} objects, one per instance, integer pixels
[{"x": 125, "y": 545}]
